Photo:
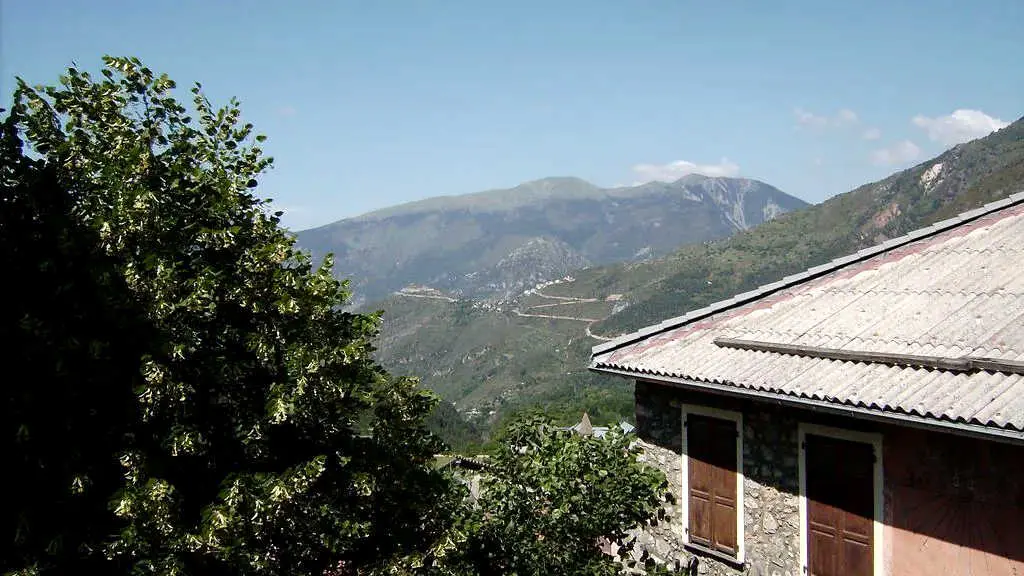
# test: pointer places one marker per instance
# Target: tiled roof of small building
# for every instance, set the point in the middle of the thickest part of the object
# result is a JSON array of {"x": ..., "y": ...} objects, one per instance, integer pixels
[{"x": 889, "y": 331}]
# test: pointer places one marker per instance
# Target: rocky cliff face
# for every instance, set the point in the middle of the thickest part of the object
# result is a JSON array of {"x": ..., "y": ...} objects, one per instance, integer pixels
[
  {"x": 536, "y": 260},
  {"x": 495, "y": 244}
]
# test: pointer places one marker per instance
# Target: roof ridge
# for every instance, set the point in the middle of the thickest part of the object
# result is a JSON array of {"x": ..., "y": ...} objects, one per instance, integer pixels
[
  {"x": 962, "y": 363},
  {"x": 810, "y": 273}
]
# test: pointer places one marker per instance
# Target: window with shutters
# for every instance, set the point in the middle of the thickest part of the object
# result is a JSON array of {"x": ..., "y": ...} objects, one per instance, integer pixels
[
  {"x": 713, "y": 480},
  {"x": 840, "y": 501}
]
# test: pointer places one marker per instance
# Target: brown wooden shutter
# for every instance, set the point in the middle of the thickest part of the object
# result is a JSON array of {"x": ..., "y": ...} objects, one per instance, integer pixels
[
  {"x": 840, "y": 507},
  {"x": 712, "y": 478}
]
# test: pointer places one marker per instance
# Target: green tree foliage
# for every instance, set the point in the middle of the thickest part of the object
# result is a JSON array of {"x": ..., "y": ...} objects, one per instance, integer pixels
[
  {"x": 458, "y": 434},
  {"x": 185, "y": 394},
  {"x": 548, "y": 500}
]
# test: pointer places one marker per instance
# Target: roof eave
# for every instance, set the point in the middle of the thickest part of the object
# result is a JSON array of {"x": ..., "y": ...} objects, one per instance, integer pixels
[{"x": 860, "y": 413}]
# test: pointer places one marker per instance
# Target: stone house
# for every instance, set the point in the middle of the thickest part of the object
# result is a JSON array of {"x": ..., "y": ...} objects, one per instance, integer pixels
[{"x": 863, "y": 417}]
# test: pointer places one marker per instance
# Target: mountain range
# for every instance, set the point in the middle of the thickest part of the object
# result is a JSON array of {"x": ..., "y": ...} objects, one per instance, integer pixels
[{"x": 498, "y": 243}]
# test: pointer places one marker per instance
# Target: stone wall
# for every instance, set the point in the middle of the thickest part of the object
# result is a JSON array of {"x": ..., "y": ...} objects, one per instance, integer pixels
[
  {"x": 770, "y": 487},
  {"x": 771, "y": 508}
]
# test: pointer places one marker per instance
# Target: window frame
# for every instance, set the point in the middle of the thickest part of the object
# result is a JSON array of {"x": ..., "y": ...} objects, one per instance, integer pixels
[
  {"x": 878, "y": 483},
  {"x": 737, "y": 418}
]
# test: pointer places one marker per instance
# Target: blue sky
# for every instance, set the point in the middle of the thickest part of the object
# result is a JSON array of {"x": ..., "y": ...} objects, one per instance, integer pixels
[{"x": 372, "y": 103}]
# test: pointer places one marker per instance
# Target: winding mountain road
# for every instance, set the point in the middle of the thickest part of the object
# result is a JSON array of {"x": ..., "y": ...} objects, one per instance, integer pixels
[{"x": 563, "y": 301}]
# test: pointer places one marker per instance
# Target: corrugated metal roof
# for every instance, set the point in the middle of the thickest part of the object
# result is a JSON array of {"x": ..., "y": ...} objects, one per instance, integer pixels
[{"x": 952, "y": 290}]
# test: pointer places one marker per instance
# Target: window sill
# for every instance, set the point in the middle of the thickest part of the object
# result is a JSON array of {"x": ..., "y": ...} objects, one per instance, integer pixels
[{"x": 731, "y": 561}]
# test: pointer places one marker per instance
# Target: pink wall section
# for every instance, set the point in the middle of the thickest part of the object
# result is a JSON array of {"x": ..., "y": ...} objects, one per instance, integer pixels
[{"x": 953, "y": 505}]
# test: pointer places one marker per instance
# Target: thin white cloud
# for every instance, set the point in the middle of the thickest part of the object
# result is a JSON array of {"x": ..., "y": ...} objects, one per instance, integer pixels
[
  {"x": 961, "y": 126},
  {"x": 845, "y": 117},
  {"x": 809, "y": 119},
  {"x": 871, "y": 133},
  {"x": 675, "y": 170},
  {"x": 899, "y": 153},
  {"x": 287, "y": 111}
]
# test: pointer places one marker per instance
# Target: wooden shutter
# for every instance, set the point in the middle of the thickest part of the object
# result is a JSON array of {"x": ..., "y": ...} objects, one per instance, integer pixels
[
  {"x": 711, "y": 453},
  {"x": 840, "y": 507}
]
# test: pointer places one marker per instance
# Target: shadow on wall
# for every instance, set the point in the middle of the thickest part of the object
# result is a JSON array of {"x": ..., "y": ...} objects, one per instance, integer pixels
[{"x": 962, "y": 492}]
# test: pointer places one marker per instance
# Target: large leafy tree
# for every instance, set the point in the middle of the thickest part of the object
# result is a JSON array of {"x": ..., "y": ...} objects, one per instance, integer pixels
[{"x": 184, "y": 392}]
